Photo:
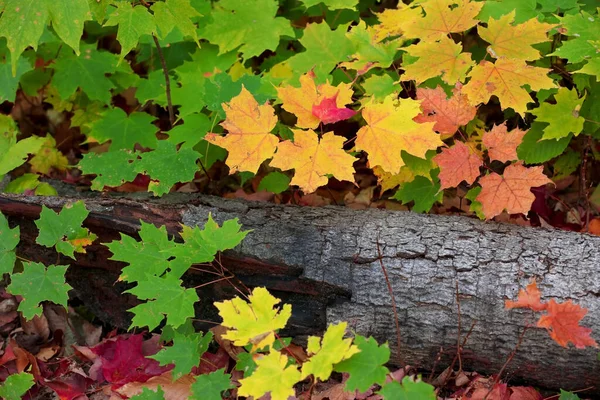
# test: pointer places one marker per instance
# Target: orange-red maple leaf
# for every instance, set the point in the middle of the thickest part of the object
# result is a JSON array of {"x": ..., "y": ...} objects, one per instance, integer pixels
[
  {"x": 328, "y": 112},
  {"x": 448, "y": 114},
  {"x": 501, "y": 144},
  {"x": 530, "y": 297},
  {"x": 562, "y": 322},
  {"x": 457, "y": 163},
  {"x": 249, "y": 140},
  {"x": 511, "y": 191}
]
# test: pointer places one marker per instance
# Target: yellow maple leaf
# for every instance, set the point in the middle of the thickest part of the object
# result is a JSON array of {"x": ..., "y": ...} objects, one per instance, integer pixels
[
  {"x": 326, "y": 352},
  {"x": 389, "y": 181},
  {"x": 272, "y": 375},
  {"x": 255, "y": 321},
  {"x": 505, "y": 79},
  {"x": 314, "y": 159},
  {"x": 300, "y": 101},
  {"x": 514, "y": 41},
  {"x": 391, "y": 21},
  {"x": 390, "y": 129},
  {"x": 441, "y": 18},
  {"x": 249, "y": 140},
  {"x": 48, "y": 157},
  {"x": 438, "y": 58}
]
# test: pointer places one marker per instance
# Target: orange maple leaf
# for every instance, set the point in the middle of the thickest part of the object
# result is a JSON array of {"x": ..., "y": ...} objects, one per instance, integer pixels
[
  {"x": 442, "y": 17},
  {"x": 457, "y": 163},
  {"x": 530, "y": 297},
  {"x": 505, "y": 79},
  {"x": 448, "y": 114},
  {"x": 514, "y": 41},
  {"x": 501, "y": 144},
  {"x": 512, "y": 191},
  {"x": 300, "y": 101},
  {"x": 314, "y": 159},
  {"x": 249, "y": 140},
  {"x": 390, "y": 129},
  {"x": 562, "y": 322},
  {"x": 443, "y": 58}
]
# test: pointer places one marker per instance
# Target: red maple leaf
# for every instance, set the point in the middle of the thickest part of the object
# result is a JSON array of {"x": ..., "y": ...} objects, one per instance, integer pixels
[
  {"x": 501, "y": 144},
  {"x": 122, "y": 360},
  {"x": 328, "y": 112},
  {"x": 562, "y": 322},
  {"x": 528, "y": 298}
]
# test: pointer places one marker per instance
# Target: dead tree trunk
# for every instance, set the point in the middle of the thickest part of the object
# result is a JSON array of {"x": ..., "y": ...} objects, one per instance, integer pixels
[{"x": 325, "y": 262}]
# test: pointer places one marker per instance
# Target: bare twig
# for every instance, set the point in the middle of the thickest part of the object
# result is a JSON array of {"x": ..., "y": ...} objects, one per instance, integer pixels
[
  {"x": 163, "y": 63},
  {"x": 389, "y": 286},
  {"x": 508, "y": 360}
]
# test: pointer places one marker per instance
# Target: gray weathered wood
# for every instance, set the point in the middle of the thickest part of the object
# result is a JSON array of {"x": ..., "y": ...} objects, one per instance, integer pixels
[{"x": 425, "y": 256}]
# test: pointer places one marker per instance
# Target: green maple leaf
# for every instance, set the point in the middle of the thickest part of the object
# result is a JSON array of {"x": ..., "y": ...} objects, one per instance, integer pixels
[
  {"x": 534, "y": 150},
  {"x": 210, "y": 386},
  {"x": 524, "y": 9},
  {"x": 86, "y": 71},
  {"x": 193, "y": 130},
  {"x": 12, "y": 152},
  {"x": 558, "y": 5},
  {"x": 37, "y": 284},
  {"x": 22, "y": 24},
  {"x": 274, "y": 182},
  {"x": 222, "y": 88},
  {"x": 251, "y": 27},
  {"x": 175, "y": 13},
  {"x": 145, "y": 258},
  {"x": 367, "y": 51},
  {"x": 152, "y": 88},
  {"x": 149, "y": 394},
  {"x": 563, "y": 117},
  {"x": 68, "y": 17},
  {"x": 325, "y": 48},
  {"x": 123, "y": 130},
  {"x": 30, "y": 182},
  {"x": 133, "y": 22},
  {"x": 172, "y": 300},
  {"x": 112, "y": 168},
  {"x": 332, "y": 4},
  {"x": 422, "y": 191},
  {"x": 64, "y": 230},
  {"x": 16, "y": 385},
  {"x": 185, "y": 352},
  {"x": 167, "y": 166},
  {"x": 366, "y": 367},
  {"x": 10, "y": 240},
  {"x": 9, "y": 81},
  {"x": 408, "y": 390},
  {"x": 582, "y": 29},
  {"x": 379, "y": 86},
  {"x": 98, "y": 9}
]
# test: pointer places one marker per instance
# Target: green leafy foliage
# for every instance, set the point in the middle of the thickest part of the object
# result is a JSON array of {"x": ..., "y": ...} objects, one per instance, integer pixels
[
  {"x": 210, "y": 386},
  {"x": 367, "y": 366},
  {"x": 123, "y": 130},
  {"x": 149, "y": 394},
  {"x": 63, "y": 230},
  {"x": 133, "y": 22},
  {"x": 38, "y": 283},
  {"x": 10, "y": 240},
  {"x": 185, "y": 352},
  {"x": 112, "y": 168},
  {"x": 15, "y": 386},
  {"x": 409, "y": 389}
]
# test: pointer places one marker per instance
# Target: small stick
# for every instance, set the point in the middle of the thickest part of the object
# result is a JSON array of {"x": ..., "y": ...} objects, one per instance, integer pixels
[{"x": 163, "y": 63}]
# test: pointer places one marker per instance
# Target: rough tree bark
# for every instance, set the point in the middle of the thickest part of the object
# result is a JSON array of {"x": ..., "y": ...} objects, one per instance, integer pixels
[{"x": 325, "y": 262}]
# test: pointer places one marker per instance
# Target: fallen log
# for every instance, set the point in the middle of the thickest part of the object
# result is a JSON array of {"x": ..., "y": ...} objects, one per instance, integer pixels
[{"x": 326, "y": 263}]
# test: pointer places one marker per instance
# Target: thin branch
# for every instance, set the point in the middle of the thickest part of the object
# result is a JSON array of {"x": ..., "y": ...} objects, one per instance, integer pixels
[{"x": 163, "y": 63}]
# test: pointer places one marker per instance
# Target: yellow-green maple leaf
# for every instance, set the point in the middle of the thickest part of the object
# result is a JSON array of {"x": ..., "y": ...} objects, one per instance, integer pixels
[
  {"x": 441, "y": 18},
  {"x": 438, "y": 58},
  {"x": 514, "y": 41},
  {"x": 255, "y": 321},
  {"x": 314, "y": 159},
  {"x": 271, "y": 376},
  {"x": 390, "y": 21},
  {"x": 390, "y": 129},
  {"x": 48, "y": 157},
  {"x": 326, "y": 352},
  {"x": 505, "y": 79},
  {"x": 300, "y": 101},
  {"x": 249, "y": 140}
]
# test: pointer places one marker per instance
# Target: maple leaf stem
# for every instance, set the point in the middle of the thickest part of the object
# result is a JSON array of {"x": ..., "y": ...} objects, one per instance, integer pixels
[{"x": 163, "y": 63}]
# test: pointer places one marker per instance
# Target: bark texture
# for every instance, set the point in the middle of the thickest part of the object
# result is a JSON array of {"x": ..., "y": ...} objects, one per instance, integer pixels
[{"x": 325, "y": 262}]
